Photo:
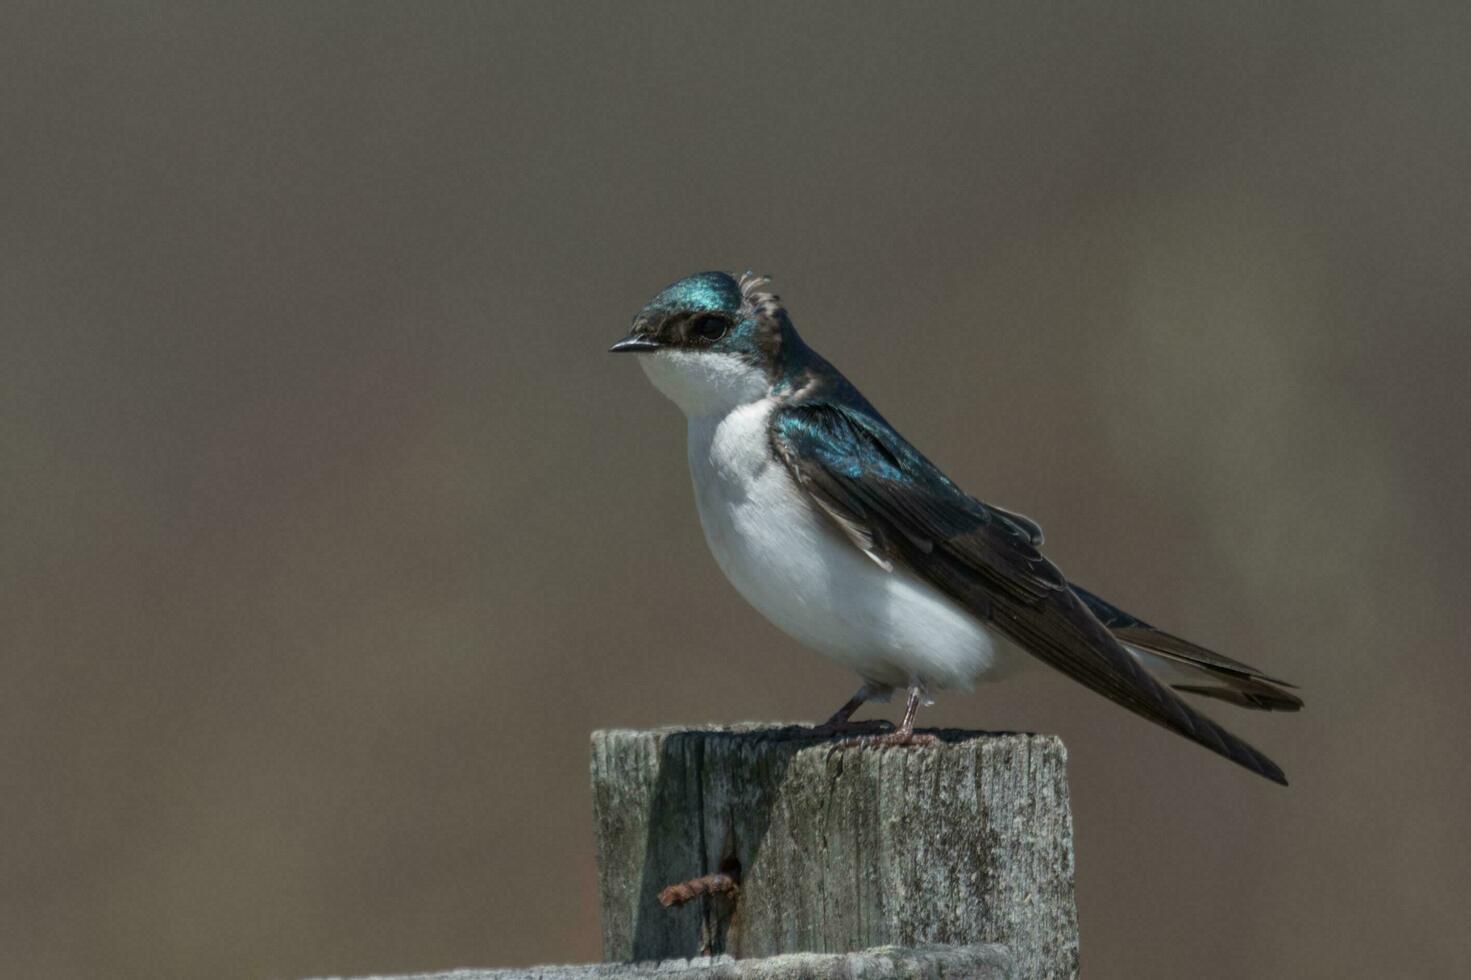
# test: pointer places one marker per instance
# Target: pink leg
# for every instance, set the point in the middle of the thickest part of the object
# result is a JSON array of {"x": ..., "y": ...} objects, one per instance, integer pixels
[{"x": 903, "y": 736}]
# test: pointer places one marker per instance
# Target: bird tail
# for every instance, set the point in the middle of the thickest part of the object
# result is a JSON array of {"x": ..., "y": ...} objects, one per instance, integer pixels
[{"x": 1189, "y": 667}]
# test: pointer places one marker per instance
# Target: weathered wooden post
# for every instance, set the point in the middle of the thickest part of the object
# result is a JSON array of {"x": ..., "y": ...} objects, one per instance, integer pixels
[{"x": 835, "y": 849}]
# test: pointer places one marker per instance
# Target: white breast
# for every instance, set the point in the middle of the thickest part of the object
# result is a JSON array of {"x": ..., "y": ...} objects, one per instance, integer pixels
[{"x": 789, "y": 561}]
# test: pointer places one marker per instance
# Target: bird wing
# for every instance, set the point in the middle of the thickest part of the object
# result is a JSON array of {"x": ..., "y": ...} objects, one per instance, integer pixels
[{"x": 898, "y": 508}]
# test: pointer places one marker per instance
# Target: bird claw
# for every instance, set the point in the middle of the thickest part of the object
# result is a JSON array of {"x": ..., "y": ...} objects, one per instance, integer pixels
[{"x": 899, "y": 739}]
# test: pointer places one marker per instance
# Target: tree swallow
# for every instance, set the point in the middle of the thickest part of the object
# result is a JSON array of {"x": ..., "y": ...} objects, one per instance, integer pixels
[{"x": 848, "y": 539}]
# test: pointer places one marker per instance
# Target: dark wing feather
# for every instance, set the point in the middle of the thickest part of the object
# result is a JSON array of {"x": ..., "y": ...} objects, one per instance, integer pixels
[{"x": 897, "y": 506}]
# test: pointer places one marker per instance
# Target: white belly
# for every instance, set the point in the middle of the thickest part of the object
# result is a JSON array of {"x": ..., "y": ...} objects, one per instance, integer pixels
[{"x": 789, "y": 562}]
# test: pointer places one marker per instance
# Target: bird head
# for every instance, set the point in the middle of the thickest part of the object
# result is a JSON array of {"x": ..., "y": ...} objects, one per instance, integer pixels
[{"x": 711, "y": 342}]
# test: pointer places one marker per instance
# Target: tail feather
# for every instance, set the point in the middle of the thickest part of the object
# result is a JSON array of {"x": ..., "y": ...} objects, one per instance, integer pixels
[
  {"x": 1268, "y": 699},
  {"x": 1193, "y": 677},
  {"x": 1189, "y": 667}
]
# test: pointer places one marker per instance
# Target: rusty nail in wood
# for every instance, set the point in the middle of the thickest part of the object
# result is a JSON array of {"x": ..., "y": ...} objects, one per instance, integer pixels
[{"x": 715, "y": 884}]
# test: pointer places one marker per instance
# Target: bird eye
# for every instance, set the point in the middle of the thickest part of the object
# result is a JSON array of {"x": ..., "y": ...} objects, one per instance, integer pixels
[{"x": 709, "y": 327}]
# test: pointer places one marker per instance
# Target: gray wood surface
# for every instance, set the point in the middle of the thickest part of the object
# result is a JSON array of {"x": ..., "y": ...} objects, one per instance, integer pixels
[
  {"x": 965, "y": 842},
  {"x": 925, "y": 963}
]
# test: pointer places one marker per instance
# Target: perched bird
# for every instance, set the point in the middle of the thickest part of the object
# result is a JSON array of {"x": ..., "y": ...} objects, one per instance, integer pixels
[{"x": 842, "y": 534}]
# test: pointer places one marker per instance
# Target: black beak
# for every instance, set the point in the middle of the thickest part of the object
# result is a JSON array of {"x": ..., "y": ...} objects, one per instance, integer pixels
[{"x": 635, "y": 343}]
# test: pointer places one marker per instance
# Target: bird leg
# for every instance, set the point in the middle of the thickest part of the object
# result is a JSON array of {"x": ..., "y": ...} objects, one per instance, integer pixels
[
  {"x": 904, "y": 735},
  {"x": 839, "y": 723}
]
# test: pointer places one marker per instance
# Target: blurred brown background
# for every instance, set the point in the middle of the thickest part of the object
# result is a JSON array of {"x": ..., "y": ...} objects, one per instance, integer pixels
[{"x": 330, "y": 530}]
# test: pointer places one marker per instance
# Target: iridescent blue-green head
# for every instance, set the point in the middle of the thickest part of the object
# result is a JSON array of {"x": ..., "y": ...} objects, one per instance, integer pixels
[{"x": 712, "y": 341}]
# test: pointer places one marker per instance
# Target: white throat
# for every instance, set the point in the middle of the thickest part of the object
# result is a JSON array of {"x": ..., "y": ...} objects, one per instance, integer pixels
[{"x": 704, "y": 384}]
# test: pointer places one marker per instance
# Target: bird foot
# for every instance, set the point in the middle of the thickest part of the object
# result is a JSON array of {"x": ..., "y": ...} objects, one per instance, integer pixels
[
  {"x": 898, "y": 739},
  {"x": 870, "y": 726}
]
